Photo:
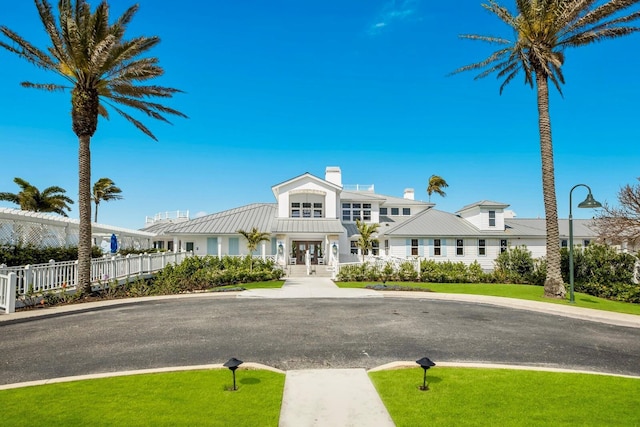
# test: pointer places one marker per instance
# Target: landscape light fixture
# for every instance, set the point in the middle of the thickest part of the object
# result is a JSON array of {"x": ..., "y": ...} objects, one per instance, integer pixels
[
  {"x": 233, "y": 364},
  {"x": 425, "y": 363},
  {"x": 589, "y": 202}
]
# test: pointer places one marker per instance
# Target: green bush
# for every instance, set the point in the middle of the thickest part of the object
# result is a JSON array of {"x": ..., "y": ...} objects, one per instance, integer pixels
[
  {"x": 200, "y": 273},
  {"x": 30, "y": 254},
  {"x": 515, "y": 265}
]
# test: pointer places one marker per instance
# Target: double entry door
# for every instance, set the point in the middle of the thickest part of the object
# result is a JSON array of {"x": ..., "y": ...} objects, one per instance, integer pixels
[{"x": 301, "y": 247}]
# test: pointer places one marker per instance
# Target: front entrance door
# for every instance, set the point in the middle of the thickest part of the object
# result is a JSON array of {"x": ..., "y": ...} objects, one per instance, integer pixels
[{"x": 314, "y": 247}]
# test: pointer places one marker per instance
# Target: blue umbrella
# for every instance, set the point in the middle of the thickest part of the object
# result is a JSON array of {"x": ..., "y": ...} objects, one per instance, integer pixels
[{"x": 114, "y": 244}]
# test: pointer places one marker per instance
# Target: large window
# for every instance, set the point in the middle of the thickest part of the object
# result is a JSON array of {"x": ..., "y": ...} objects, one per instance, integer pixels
[
  {"x": 414, "y": 247},
  {"x": 459, "y": 247},
  {"x": 492, "y": 218},
  {"x": 306, "y": 210},
  {"x": 354, "y": 211},
  {"x": 437, "y": 247},
  {"x": 503, "y": 245},
  {"x": 482, "y": 247}
]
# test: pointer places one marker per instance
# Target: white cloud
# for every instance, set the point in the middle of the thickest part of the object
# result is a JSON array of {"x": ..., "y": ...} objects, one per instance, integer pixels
[{"x": 392, "y": 12}]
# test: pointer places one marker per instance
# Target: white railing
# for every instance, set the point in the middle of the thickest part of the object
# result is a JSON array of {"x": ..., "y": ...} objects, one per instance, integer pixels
[
  {"x": 8, "y": 292},
  {"x": 56, "y": 276}
]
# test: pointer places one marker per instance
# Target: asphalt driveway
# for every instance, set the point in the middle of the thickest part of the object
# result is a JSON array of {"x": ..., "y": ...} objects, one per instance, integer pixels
[{"x": 306, "y": 333}]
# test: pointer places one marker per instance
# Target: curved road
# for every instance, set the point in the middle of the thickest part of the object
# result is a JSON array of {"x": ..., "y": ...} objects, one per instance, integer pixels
[{"x": 306, "y": 333}]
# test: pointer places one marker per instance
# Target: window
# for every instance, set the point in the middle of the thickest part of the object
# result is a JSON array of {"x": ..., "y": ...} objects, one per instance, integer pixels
[
  {"x": 354, "y": 247},
  {"x": 437, "y": 247},
  {"x": 586, "y": 242},
  {"x": 459, "y": 247},
  {"x": 406, "y": 211},
  {"x": 564, "y": 243},
  {"x": 482, "y": 247},
  {"x": 375, "y": 247},
  {"x": 317, "y": 210},
  {"x": 158, "y": 245},
  {"x": 395, "y": 211},
  {"x": 170, "y": 246},
  {"x": 492, "y": 218},
  {"x": 189, "y": 247},
  {"x": 414, "y": 247},
  {"x": 386, "y": 247},
  {"x": 306, "y": 210},
  {"x": 503, "y": 245},
  {"x": 366, "y": 212},
  {"x": 295, "y": 210},
  {"x": 354, "y": 211},
  {"x": 383, "y": 211},
  {"x": 346, "y": 215}
]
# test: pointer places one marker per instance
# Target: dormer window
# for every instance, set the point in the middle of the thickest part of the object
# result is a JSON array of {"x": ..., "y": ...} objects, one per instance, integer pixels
[
  {"x": 492, "y": 218},
  {"x": 306, "y": 210}
]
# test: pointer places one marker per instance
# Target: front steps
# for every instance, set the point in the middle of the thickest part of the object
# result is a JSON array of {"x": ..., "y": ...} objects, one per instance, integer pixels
[{"x": 301, "y": 271}]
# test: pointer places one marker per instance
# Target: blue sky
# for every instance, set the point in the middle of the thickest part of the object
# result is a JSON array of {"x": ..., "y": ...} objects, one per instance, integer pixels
[{"x": 275, "y": 89}]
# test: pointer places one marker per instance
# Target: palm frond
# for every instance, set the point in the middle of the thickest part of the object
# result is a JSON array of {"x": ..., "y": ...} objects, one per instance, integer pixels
[
  {"x": 135, "y": 122},
  {"x": 45, "y": 86}
]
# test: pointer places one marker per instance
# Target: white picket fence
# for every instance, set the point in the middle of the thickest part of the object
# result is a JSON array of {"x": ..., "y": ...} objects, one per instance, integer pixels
[{"x": 57, "y": 276}]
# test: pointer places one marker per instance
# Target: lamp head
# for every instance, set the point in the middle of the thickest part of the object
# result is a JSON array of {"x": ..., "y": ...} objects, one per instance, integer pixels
[
  {"x": 590, "y": 202},
  {"x": 425, "y": 363},
  {"x": 232, "y": 363}
]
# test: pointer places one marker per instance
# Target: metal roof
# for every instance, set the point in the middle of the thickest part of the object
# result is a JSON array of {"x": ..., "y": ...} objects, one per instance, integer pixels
[
  {"x": 304, "y": 225},
  {"x": 259, "y": 215},
  {"x": 433, "y": 222},
  {"x": 537, "y": 227},
  {"x": 384, "y": 200},
  {"x": 486, "y": 204}
]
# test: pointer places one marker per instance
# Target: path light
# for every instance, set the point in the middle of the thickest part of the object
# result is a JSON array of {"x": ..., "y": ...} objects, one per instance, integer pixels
[
  {"x": 589, "y": 202},
  {"x": 233, "y": 364},
  {"x": 425, "y": 363}
]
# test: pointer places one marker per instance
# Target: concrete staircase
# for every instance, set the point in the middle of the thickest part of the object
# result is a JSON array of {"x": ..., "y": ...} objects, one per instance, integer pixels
[{"x": 301, "y": 271}]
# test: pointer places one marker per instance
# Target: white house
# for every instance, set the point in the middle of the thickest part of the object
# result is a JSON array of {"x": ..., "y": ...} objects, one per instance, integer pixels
[{"x": 318, "y": 216}]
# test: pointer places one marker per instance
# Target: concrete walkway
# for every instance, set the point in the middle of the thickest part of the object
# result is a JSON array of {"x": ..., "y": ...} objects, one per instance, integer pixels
[
  {"x": 309, "y": 287},
  {"x": 332, "y": 398}
]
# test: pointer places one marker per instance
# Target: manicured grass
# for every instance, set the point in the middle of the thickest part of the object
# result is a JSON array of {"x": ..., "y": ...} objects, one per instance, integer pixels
[
  {"x": 189, "y": 398},
  {"x": 497, "y": 397},
  {"x": 526, "y": 292},
  {"x": 256, "y": 285}
]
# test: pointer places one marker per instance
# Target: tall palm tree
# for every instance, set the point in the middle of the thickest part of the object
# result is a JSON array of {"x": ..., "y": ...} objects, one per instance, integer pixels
[
  {"x": 104, "y": 189},
  {"x": 254, "y": 237},
  {"x": 436, "y": 185},
  {"x": 51, "y": 199},
  {"x": 366, "y": 239},
  {"x": 542, "y": 30},
  {"x": 101, "y": 69}
]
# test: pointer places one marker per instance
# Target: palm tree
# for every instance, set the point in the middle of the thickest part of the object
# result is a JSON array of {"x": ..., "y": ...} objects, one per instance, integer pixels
[
  {"x": 104, "y": 189},
  {"x": 366, "y": 239},
  {"x": 51, "y": 199},
  {"x": 436, "y": 185},
  {"x": 542, "y": 30},
  {"x": 101, "y": 69},
  {"x": 254, "y": 237}
]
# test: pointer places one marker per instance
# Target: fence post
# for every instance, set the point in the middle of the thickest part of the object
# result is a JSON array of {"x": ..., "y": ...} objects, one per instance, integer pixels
[
  {"x": 11, "y": 294},
  {"x": 51, "y": 279},
  {"x": 28, "y": 278},
  {"x": 128, "y": 265}
]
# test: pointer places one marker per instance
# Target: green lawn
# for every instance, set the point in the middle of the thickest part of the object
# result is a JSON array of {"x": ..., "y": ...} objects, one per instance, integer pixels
[
  {"x": 190, "y": 398},
  {"x": 501, "y": 397},
  {"x": 527, "y": 292}
]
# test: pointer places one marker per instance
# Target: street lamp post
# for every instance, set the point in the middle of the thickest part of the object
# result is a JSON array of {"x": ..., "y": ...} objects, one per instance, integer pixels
[{"x": 589, "y": 202}]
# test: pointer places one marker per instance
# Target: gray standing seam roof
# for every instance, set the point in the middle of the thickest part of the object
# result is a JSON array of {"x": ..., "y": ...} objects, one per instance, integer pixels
[
  {"x": 303, "y": 225},
  {"x": 259, "y": 215},
  {"x": 433, "y": 222}
]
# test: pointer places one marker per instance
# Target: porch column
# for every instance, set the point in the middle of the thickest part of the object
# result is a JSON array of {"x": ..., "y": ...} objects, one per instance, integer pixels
[{"x": 264, "y": 251}]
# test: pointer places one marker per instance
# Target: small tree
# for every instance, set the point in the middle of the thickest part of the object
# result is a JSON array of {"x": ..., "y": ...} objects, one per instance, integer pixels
[
  {"x": 366, "y": 231},
  {"x": 436, "y": 185},
  {"x": 254, "y": 237},
  {"x": 621, "y": 224},
  {"x": 104, "y": 189}
]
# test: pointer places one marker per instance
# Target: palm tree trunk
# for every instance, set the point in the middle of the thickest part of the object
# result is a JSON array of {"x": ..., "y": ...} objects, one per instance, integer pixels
[
  {"x": 95, "y": 217},
  {"x": 553, "y": 284},
  {"x": 84, "y": 207}
]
